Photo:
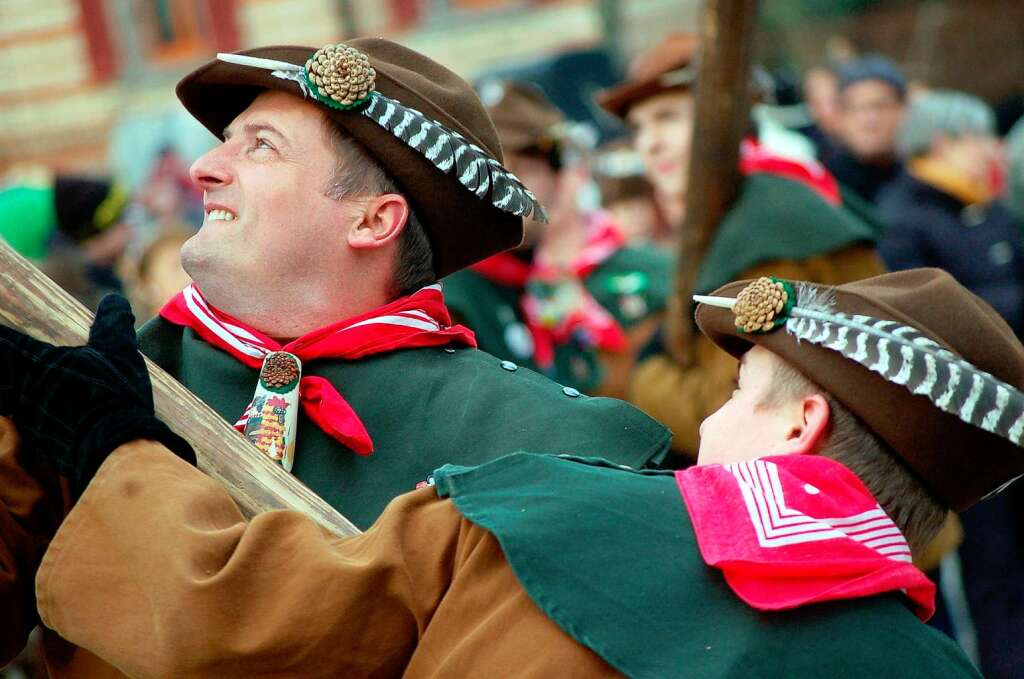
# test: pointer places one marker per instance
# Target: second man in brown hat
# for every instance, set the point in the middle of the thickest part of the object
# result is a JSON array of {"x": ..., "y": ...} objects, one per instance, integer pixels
[{"x": 575, "y": 301}]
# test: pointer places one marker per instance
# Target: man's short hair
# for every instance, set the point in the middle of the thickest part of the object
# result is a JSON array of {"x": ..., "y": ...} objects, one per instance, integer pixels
[
  {"x": 850, "y": 442},
  {"x": 357, "y": 174},
  {"x": 943, "y": 113}
]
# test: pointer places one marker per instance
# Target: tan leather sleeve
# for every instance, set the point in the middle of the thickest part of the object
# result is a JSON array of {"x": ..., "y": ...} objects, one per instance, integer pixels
[
  {"x": 682, "y": 397},
  {"x": 31, "y": 508},
  {"x": 156, "y": 571}
]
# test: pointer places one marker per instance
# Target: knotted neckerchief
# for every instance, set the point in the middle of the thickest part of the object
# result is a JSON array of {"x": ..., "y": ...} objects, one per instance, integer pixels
[
  {"x": 418, "y": 320},
  {"x": 505, "y": 269},
  {"x": 559, "y": 309},
  {"x": 791, "y": 530},
  {"x": 755, "y": 157}
]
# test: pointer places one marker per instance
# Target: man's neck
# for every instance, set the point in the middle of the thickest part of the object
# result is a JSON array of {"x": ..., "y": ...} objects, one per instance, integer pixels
[
  {"x": 286, "y": 317},
  {"x": 674, "y": 208}
]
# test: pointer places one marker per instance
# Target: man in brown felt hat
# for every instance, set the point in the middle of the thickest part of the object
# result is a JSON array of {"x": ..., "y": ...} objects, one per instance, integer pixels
[
  {"x": 860, "y": 414},
  {"x": 789, "y": 219},
  {"x": 574, "y": 301},
  {"x": 349, "y": 180}
]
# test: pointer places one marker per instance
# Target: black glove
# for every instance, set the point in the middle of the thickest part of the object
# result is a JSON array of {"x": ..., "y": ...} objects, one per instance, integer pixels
[{"x": 74, "y": 405}]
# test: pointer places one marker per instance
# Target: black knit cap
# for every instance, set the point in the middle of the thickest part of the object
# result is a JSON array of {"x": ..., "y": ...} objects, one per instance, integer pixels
[
  {"x": 872, "y": 67},
  {"x": 85, "y": 206}
]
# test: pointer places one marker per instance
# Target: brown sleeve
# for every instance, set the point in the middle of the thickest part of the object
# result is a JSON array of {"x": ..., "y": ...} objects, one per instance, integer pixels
[
  {"x": 156, "y": 571},
  {"x": 681, "y": 397},
  {"x": 619, "y": 366},
  {"x": 31, "y": 508}
]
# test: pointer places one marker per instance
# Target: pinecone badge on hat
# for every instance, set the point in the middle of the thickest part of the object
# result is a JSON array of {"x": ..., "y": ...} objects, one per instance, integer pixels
[{"x": 341, "y": 75}]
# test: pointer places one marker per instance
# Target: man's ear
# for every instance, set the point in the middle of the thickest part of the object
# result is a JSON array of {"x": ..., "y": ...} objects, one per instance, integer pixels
[
  {"x": 382, "y": 221},
  {"x": 807, "y": 434}
]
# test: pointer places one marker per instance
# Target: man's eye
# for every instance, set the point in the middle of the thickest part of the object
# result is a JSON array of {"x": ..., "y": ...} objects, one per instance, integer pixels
[{"x": 262, "y": 143}]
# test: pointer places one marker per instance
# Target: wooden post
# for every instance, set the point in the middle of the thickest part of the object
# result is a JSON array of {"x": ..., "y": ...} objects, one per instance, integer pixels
[
  {"x": 35, "y": 305},
  {"x": 720, "y": 120}
]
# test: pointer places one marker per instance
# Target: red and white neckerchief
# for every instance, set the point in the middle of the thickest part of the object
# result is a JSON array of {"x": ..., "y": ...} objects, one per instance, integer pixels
[
  {"x": 418, "y": 320},
  {"x": 560, "y": 310},
  {"x": 505, "y": 269},
  {"x": 755, "y": 157},
  {"x": 557, "y": 311},
  {"x": 791, "y": 530}
]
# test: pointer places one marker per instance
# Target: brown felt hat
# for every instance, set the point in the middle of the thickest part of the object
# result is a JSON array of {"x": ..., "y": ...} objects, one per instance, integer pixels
[
  {"x": 669, "y": 65},
  {"x": 526, "y": 121},
  {"x": 959, "y": 462},
  {"x": 463, "y": 227}
]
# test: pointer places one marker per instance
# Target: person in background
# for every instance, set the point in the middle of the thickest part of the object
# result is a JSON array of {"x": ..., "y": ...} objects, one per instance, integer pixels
[
  {"x": 872, "y": 102},
  {"x": 78, "y": 208},
  {"x": 575, "y": 301},
  {"x": 159, "y": 275},
  {"x": 787, "y": 220},
  {"x": 74, "y": 226},
  {"x": 627, "y": 195},
  {"x": 1015, "y": 170},
  {"x": 821, "y": 98},
  {"x": 942, "y": 212}
]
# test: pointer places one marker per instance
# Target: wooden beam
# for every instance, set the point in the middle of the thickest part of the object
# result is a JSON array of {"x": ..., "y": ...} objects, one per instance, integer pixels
[
  {"x": 721, "y": 114},
  {"x": 35, "y": 305}
]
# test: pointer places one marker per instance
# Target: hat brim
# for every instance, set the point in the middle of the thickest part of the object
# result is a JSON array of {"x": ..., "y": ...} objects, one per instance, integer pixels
[
  {"x": 958, "y": 462},
  {"x": 461, "y": 227},
  {"x": 618, "y": 99}
]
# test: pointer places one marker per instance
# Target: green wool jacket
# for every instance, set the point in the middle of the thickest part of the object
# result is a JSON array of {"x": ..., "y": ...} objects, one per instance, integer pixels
[
  {"x": 422, "y": 408},
  {"x": 631, "y": 285},
  {"x": 610, "y": 556},
  {"x": 776, "y": 219}
]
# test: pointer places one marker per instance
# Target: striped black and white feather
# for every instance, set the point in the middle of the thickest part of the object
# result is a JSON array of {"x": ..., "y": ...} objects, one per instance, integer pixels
[
  {"x": 904, "y": 356},
  {"x": 450, "y": 152}
]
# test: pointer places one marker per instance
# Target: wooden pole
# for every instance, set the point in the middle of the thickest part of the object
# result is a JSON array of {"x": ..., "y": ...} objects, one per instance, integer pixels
[
  {"x": 720, "y": 120},
  {"x": 35, "y": 305}
]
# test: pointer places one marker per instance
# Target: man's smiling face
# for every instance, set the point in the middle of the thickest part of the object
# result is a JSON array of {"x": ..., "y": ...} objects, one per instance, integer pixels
[{"x": 267, "y": 215}]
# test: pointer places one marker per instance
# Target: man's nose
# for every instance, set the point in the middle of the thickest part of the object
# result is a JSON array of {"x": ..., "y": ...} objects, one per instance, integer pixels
[
  {"x": 211, "y": 169},
  {"x": 645, "y": 143}
]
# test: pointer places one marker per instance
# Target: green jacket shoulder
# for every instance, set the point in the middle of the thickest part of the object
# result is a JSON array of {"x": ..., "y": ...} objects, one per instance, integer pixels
[
  {"x": 610, "y": 556},
  {"x": 422, "y": 408}
]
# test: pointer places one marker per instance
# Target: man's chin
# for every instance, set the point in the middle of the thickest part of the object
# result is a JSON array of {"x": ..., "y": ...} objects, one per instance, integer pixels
[{"x": 200, "y": 259}]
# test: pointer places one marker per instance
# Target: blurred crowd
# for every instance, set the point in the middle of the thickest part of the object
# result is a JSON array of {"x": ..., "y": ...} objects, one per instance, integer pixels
[{"x": 871, "y": 173}]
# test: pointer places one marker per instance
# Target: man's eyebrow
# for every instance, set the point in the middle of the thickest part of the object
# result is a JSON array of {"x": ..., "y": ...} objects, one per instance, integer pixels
[{"x": 254, "y": 127}]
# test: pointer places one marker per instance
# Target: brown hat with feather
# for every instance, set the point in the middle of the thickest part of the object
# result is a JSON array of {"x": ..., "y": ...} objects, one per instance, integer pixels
[
  {"x": 526, "y": 121},
  {"x": 421, "y": 122},
  {"x": 932, "y": 369}
]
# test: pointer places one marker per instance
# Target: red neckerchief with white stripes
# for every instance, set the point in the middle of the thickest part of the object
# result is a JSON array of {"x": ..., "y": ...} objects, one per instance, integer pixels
[
  {"x": 585, "y": 320},
  {"x": 756, "y": 158},
  {"x": 791, "y": 530},
  {"x": 418, "y": 320}
]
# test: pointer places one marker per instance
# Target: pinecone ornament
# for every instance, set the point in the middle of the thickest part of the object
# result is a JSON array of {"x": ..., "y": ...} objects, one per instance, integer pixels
[
  {"x": 341, "y": 75},
  {"x": 759, "y": 306},
  {"x": 279, "y": 369}
]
